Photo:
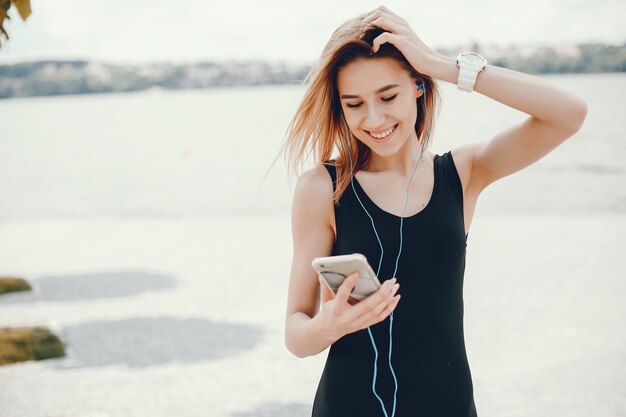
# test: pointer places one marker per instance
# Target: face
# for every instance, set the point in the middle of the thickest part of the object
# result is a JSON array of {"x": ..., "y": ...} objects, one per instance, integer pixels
[{"x": 378, "y": 101}]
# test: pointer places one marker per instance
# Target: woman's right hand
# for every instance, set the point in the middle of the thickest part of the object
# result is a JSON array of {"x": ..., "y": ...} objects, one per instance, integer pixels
[{"x": 339, "y": 317}]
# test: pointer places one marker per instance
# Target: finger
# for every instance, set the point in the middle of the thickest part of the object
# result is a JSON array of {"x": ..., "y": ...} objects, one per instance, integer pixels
[
  {"x": 380, "y": 19},
  {"x": 346, "y": 287},
  {"x": 325, "y": 292},
  {"x": 372, "y": 301},
  {"x": 383, "y": 38},
  {"x": 387, "y": 299},
  {"x": 391, "y": 13},
  {"x": 366, "y": 22},
  {"x": 369, "y": 319},
  {"x": 371, "y": 15},
  {"x": 380, "y": 10},
  {"x": 388, "y": 24},
  {"x": 388, "y": 309}
]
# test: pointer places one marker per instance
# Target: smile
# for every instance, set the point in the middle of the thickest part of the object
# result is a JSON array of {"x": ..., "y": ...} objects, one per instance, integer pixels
[{"x": 383, "y": 134}]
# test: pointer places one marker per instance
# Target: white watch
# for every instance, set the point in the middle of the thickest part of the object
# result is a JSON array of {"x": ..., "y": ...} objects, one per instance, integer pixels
[{"x": 470, "y": 64}]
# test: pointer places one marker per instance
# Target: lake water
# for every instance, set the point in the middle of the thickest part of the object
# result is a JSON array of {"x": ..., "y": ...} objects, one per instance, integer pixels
[
  {"x": 200, "y": 153},
  {"x": 162, "y": 257}
]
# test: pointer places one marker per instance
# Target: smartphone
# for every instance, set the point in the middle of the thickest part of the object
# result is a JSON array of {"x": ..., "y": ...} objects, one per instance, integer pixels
[{"x": 335, "y": 269}]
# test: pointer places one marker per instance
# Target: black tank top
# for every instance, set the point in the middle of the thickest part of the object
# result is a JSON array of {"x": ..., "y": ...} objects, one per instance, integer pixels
[{"x": 428, "y": 351}]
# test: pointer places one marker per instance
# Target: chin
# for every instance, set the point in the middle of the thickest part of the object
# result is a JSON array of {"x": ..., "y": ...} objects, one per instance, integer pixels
[{"x": 388, "y": 148}]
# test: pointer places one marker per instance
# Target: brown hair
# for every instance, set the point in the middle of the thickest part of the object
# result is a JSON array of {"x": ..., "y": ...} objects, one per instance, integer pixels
[{"x": 317, "y": 124}]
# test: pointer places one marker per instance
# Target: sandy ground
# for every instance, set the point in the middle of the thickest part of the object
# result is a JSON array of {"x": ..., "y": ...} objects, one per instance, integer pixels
[{"x": 184, "y": 317}]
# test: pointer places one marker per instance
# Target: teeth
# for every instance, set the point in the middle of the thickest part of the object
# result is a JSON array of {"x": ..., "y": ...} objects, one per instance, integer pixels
[{"x": 383, "y": 134}]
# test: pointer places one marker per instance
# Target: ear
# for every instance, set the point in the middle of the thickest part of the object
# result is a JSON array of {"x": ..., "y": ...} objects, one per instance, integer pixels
[{"x": 419, "y": 86}]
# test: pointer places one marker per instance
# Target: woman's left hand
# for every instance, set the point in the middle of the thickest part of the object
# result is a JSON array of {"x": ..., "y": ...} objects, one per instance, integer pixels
[{"x": 399, "y": 34}]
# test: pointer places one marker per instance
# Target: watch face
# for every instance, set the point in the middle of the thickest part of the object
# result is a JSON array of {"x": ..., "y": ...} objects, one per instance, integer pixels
[{"x": 472, "y": 59}]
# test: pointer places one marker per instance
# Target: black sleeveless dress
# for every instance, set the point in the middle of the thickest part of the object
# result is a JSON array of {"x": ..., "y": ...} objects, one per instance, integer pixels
[{"x": 428, "y": 351}]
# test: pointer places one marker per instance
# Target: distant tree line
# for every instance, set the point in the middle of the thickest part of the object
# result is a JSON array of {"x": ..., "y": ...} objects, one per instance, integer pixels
[
  {"x": 43, "y": 78},
  {"x": 592, "y": 58}
]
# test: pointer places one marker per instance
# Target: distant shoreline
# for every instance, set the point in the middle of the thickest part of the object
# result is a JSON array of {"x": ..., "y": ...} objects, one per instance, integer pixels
[{"x": 65, "y": 77}]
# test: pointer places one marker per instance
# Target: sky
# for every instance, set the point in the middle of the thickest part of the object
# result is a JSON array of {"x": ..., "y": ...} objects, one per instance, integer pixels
[{"x": 144, "y": 31}]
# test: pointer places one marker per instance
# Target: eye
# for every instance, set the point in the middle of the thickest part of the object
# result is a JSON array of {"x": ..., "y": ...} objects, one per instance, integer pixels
[
  {"x": 390, "y": 98},
  {"x": 353, "y": 106}
]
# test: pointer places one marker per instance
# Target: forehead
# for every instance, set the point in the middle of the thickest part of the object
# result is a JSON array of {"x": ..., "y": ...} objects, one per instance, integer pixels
[{"x": 364, "y": 76}]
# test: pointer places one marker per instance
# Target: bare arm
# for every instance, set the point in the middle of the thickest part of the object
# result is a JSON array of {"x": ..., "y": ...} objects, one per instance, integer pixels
[
  {"x": 312, "y": 236},
  {"x": 307, "y": 330},
  {"x": 555, "y": 115}
]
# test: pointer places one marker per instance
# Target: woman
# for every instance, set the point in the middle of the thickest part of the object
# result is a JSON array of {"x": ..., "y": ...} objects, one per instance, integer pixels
[{"x": 371, "y": 101}]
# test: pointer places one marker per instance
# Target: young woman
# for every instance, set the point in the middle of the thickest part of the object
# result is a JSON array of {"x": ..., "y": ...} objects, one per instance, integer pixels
[{"x": 378, "y": 190}]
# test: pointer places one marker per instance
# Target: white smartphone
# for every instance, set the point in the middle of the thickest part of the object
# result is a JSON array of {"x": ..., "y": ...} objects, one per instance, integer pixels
[{"x": 335, "y": 269}]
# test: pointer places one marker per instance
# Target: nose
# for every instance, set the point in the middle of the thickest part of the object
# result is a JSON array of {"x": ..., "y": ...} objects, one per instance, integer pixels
[{"x": 375, "y": 118}]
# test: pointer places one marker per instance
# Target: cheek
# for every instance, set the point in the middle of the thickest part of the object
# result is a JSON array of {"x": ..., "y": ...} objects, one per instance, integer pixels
[
  {"x": 352, "y": 119},
  {"x": 407, "y": 110}
]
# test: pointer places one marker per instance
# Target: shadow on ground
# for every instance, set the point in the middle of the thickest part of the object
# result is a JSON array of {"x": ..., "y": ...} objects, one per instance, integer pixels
[
  {"x": 143, "y": 342},
  {"x": 277, "y": 410},
  {"x": 81, "y": 287}
]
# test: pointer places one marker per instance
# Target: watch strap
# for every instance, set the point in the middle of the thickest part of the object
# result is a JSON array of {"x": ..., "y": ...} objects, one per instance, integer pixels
[{"x": 467, "y": 79}]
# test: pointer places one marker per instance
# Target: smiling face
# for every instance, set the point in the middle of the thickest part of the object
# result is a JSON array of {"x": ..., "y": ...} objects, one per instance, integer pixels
[{"x": 378, "y": 98}]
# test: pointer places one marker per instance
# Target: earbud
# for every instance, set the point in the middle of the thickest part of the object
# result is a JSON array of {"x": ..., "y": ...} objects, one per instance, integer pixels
[{"x": 420, "y": 86}]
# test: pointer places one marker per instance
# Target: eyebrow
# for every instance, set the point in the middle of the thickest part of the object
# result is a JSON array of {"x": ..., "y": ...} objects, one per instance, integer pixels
[{"x": 380, "y": 90}]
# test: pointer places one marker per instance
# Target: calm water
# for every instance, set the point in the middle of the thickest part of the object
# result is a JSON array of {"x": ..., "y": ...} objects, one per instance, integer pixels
[{"x": 198, "y": 153}]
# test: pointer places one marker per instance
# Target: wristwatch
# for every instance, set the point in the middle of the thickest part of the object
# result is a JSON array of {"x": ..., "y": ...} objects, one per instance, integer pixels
[{"x": 470, "y": 64}]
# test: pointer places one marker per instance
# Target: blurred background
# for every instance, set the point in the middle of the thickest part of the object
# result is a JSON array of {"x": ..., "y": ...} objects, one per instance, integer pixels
[{"x": 134, "y": 142}]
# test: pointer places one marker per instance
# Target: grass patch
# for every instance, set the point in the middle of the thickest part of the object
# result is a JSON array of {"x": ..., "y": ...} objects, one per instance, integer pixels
[{"x": 19, "y": 344}]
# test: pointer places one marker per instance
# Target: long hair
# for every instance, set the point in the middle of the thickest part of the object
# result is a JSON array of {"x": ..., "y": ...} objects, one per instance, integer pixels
[{"x": 318, "y": 124}]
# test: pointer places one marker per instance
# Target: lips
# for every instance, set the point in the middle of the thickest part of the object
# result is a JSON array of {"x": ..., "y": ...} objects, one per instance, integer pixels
[{"x": 382, "y": 134}]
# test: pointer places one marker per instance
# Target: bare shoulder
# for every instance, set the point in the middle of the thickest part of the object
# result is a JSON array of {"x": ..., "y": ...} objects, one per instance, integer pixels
[
  {"x": 317, "y": 181},
  {"x": 313, "y": 196}
]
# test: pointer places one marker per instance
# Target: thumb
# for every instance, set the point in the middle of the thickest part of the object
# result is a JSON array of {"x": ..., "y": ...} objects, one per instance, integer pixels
[
  {"x": 346, "y": 287},
  {"x": 325, "y": 292}
]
